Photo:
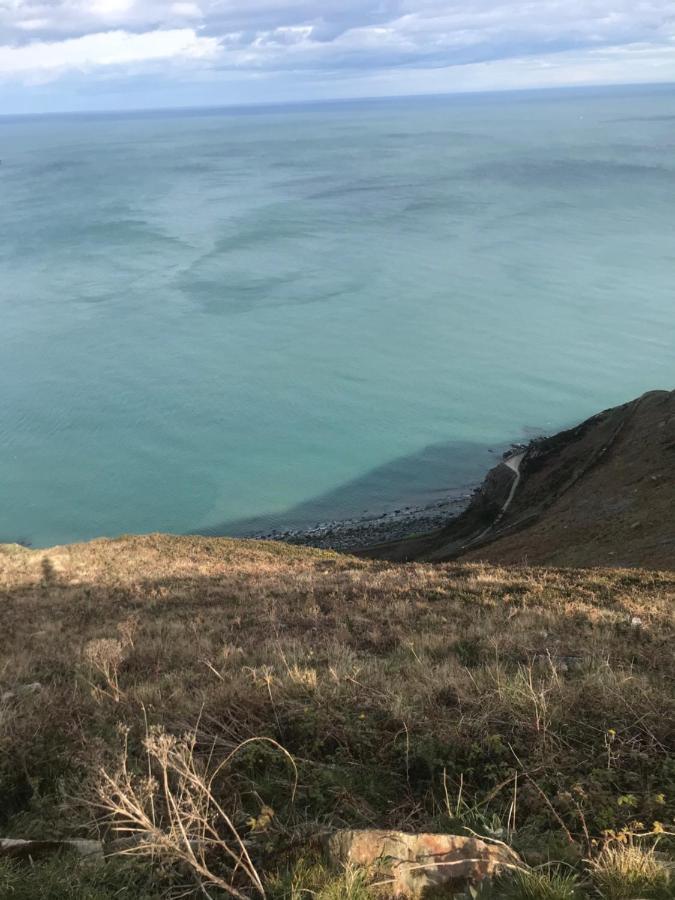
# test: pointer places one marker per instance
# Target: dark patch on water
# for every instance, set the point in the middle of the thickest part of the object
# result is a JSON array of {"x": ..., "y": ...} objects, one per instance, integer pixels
[
  {"x": 436, "y": 473},
  {"x": 560, "y": 173}
]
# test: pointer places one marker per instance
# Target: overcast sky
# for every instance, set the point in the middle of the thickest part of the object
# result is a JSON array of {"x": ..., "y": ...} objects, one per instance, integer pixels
[{"x": 111, "y": 54}]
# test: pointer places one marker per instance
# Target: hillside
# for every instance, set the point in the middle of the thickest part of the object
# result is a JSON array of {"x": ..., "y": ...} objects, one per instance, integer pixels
[
  {"x": 533, "y": 706},
  {"x": 599, "y": 494}
]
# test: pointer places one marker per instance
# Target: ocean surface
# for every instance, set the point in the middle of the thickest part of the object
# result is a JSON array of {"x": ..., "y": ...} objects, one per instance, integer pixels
[{"x": 229, "y": 321}]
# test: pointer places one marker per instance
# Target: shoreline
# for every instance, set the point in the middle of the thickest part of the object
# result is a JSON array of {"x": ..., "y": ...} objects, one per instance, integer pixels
[
  {"x": 370, "y": 529},
  {"x": 363, "y": 532},
  {"x": 367, "y": 531}
]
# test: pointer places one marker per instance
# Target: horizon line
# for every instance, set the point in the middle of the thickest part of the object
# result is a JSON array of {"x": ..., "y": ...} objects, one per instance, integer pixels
[{"x": 281, "y": 104}]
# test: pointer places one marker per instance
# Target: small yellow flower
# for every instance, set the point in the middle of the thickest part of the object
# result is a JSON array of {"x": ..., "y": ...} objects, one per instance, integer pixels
[{"x": 261, "y": 822}]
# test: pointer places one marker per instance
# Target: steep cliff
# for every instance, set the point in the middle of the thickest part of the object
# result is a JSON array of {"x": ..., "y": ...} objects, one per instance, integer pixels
[{"x": 602, "y": 493}]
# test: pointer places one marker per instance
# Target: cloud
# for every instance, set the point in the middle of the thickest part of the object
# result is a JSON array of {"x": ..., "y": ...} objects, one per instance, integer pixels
[
  {"x": 338, "y": 39},
  {"x": 112, "y": 48},
  {"x": 639, "y": 63}
]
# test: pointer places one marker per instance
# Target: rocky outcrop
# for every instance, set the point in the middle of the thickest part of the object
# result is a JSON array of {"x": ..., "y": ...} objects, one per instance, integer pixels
[{"x": 413, "y": 865}]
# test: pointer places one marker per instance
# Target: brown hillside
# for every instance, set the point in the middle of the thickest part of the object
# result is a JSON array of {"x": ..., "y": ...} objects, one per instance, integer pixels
[{"x": 600, "y": 494}]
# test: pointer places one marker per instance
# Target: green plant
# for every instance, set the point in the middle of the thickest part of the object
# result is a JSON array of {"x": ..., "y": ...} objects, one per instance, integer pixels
[
  {"x": 311, "y": 879},
  {"x": 546, "y": 883},
  {"x": 358, "y": 669},
  {"x": 63, "y": 878}
]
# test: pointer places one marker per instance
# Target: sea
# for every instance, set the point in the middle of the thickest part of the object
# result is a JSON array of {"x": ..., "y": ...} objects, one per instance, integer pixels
[{"x": 228, "y": 321}]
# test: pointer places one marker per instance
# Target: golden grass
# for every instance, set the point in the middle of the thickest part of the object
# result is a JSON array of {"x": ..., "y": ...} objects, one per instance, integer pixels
[
  {"x": 624, "y": 871},
  {"x": 539, "y": 701}
]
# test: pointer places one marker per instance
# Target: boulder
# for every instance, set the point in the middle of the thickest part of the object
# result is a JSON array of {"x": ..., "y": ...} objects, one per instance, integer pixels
[{"x": 413, "y": 865}]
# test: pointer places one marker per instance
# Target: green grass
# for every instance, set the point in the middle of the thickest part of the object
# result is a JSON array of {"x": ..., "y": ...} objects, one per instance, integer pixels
[
  {"x": 541, "y": 884},
  {"x": 64, "y": 878},
  {"x": 311, "y": 878}
]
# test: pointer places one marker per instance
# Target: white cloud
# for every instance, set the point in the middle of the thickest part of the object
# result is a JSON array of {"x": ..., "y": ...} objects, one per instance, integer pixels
[
  {"x": 76, "y": 18},
  {"x": 105, "y": 8},
  {"x": 111, "y": 48},
  {"x": 341, "y": 40},
  {"x": 634, "y": 63},
  {"x": 426, "y": 20},
  {"x": 186, "y": 10}
]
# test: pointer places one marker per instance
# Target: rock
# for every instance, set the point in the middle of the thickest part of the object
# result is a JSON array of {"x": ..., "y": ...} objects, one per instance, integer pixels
[
  {"x": 636, "y": 622},
  {"x": 560, "y": 663},
  {"x": 17, "y": 849},
  {"x": 415, "y": 864}
]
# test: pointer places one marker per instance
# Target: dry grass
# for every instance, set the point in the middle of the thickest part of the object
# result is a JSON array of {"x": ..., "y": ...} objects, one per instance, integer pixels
[
  {"x": 625, "y": 870},
  {"x": 533, "y": 704},
  {"x": 173, "y": 811}
]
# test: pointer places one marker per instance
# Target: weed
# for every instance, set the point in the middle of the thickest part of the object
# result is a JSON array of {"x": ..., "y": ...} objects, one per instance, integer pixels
[
  {"x": 105, "y": 656},
  {"x": 174, "y": 813}
]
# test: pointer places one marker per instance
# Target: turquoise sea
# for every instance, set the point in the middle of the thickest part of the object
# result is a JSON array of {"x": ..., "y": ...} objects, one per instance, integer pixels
[{"x": 236, "y": 320}]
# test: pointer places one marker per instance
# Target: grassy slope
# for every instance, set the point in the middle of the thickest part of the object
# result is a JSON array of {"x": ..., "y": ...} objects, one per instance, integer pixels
[
  {"x": 620, "y": 510},
  {"x": 599, "y": 494},
  {"x": 391, "y": 685}
]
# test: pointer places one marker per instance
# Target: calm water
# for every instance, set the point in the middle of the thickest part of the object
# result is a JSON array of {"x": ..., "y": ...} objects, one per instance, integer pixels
[{"x": 223, "y": 321}]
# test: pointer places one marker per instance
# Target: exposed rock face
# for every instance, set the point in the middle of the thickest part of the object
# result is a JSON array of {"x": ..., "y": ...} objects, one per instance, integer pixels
[
  {"x": 416, "y": 864},
  {"x": 599, "y": 494}
]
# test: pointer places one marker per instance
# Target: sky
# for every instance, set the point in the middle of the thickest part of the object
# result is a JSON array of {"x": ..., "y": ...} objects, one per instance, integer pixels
[{"x": 133, "y": 54}]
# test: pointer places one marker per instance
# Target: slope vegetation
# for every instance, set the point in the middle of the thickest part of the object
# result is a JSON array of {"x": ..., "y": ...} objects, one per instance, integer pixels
[
  {"x": 600, "y": 494},
  {"x": 531, "y": 705}
]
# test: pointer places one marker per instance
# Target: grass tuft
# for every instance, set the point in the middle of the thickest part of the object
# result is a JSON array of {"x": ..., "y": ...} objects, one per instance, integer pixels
[
  {"x": 311, "y": 879},
  {"x": 628, "y": 871},
  {"x": 548, "y": 883}
]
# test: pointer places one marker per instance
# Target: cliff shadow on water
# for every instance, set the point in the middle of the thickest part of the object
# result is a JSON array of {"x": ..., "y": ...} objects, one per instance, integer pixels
[{"x": 439, "y": 477}]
